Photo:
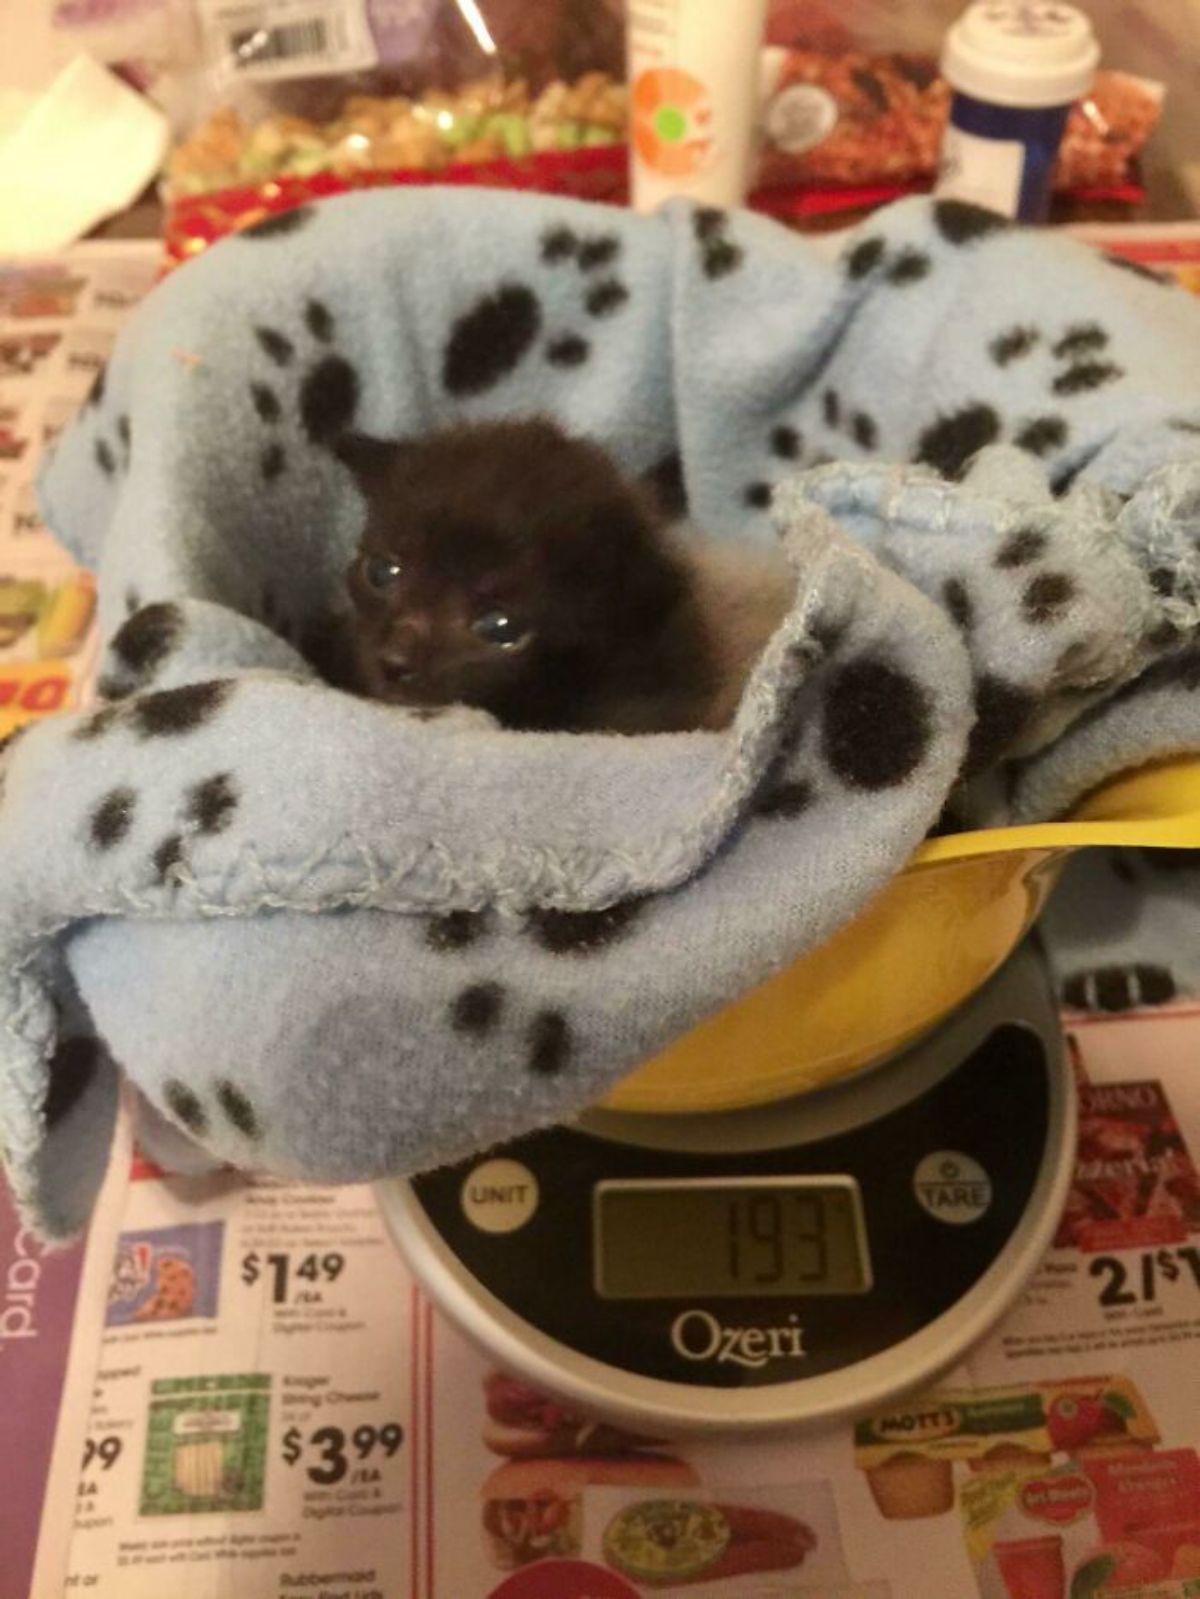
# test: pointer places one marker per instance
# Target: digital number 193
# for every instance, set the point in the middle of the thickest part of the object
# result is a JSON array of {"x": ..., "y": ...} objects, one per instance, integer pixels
[{"x": 764, "y": 1230}]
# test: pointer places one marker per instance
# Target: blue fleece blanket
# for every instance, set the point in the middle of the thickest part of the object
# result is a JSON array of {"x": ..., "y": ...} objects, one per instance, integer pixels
[{"x": 332, "y": 939}]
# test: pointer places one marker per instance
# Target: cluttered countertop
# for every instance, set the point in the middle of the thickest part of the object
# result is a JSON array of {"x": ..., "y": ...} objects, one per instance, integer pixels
[{"x": 240, "y": 1381}]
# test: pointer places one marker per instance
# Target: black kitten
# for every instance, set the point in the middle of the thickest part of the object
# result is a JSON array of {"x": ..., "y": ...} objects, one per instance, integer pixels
[{"x": 509, "y": 566}]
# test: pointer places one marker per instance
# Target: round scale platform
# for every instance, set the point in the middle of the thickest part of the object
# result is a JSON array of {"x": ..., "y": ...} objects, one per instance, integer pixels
[{"x": 778, "y": 1265}]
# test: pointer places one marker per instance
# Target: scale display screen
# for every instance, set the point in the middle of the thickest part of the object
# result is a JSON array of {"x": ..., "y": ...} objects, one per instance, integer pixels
[{"x": 730, "y": 1238}]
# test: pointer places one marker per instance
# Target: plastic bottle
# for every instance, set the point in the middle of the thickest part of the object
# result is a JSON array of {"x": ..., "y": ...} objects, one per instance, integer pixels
[
  {"x": 1016, "y": 69},
  {"x": 693, "y": 79}
]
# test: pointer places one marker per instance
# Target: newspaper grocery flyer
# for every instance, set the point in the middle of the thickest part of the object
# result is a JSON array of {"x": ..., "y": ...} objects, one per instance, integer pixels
[
  {"x": 1059, "y": 1460},
  {"x": 270, "y": 1407},
  {"x": 252, "y": 1415},
  {"x": 51, "y": 1315},
  {"x": 58, "y": 321},
  {"x": 234, "y": 1388}
]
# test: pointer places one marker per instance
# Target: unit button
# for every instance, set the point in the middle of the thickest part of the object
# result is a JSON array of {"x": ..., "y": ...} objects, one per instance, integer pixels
[
  {"x": 952, "y": 1187},
  {"x": 499, "y": 1196}
]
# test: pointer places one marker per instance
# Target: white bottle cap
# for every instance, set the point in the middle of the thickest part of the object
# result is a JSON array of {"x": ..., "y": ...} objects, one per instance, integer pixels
[{"x": 1007, "y": 53}]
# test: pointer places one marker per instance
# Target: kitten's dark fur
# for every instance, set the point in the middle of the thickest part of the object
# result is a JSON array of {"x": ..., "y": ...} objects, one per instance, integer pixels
[{"x": 509, "y": 566}]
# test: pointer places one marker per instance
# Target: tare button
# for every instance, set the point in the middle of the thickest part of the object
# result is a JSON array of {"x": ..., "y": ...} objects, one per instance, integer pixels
[
  {"x": 499, "y": 1196},
  {"x": 952, "y": 1187}
]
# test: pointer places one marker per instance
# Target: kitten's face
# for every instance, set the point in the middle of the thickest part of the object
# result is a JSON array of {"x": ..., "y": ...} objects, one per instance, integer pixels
[
  {"x": 445, "y": 621},
  {"x": 492, "y": 556}
]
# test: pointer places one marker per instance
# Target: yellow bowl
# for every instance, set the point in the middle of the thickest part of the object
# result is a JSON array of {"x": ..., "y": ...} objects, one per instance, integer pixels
[{"x": 930, "y": 939}]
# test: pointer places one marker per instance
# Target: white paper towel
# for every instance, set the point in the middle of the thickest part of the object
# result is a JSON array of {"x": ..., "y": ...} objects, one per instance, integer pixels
[{"x": 83, "y": 150}]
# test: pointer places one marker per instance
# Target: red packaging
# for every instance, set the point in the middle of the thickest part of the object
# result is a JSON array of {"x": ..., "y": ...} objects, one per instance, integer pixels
[
  {"x": 1032, "y": 1567},
  {"x": 1135, "y": 1182},
  {"x": 849, "y": 117},
  {"x": 1152, "y": 1500}
]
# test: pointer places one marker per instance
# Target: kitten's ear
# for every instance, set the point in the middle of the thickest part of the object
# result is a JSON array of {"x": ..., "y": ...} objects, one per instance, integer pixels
[{"x": 370, "y": 460}]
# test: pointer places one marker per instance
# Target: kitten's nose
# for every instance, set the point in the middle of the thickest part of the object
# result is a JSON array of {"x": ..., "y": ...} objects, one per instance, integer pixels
[{"x": 404, "y": 651}]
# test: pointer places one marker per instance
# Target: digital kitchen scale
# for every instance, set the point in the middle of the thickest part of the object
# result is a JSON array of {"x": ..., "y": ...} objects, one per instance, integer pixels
[{"x": 790, "y": 1263}]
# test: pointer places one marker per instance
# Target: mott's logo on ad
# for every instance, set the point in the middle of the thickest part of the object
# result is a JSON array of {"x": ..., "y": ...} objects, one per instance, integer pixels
[
  {"x": 1003, "y": 1416},
  {"x": 942, "y": 1421},
  {"x": 1058, "y": 1500}
]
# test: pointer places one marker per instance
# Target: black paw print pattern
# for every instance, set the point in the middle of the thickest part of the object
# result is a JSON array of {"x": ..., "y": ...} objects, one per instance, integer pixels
[
  {"x": 871, "y": 258},
  {"x": 206, "y": 809},
  {"x": 953, "y": 440},
  {"x": 497, "y": 334},
  {"x": 957, "y": 222},
  {"x": 229, "y": 1103},
  {"x": 170, "y": 713},
  {"x": 113, "y": 452},
  {"x": 960, "y": 222},
  {"x": 1003, "y": 711},
  {"x": 784, "y": 798},
  {"x": 480, "y": 1009},
  {"x": 857, "y": 425},
  {"x": 1079, "y": 365},
  {"x": 1045, "y": 599},
  {"x": 874, "y": 728},
  {"x": 950, "y": 442},
  {"x": 786, "y": 443},
  {"x": 876, "y": 724},
  {"x": 719, "y": 255},
  {"x": 148, "y": 637},
  {"x": 1078, "y": 351},
  {"x": 582, "y": 932},
  {"x": 1118, "y": 988},
  {"x": 328, "y": 392}
]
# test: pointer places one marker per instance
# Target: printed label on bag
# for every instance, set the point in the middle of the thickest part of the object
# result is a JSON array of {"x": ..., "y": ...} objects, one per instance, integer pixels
[{"x": 269, "y": 40}]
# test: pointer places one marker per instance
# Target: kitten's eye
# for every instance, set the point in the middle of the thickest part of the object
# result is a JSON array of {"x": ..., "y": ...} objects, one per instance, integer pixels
[
  {"x": 500, "y": 629},
  {"x": 379, "y": 572}
]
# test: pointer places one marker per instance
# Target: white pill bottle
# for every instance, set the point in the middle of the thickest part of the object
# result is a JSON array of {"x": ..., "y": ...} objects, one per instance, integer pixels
[
  {"x": 694, "y": 98},
  {"x": 1016, "y": 68}
]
